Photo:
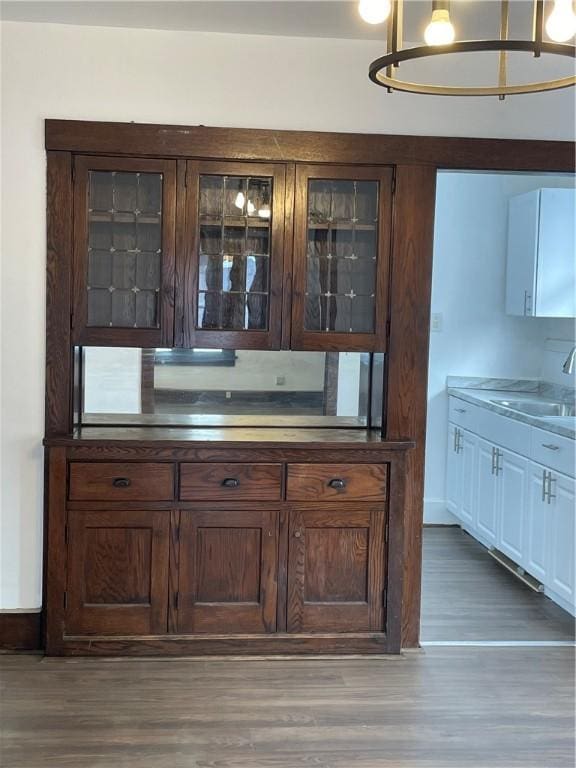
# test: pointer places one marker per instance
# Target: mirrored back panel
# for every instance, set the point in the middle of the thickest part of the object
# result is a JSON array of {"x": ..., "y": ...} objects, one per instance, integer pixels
[{"x": 222, "y": 387}]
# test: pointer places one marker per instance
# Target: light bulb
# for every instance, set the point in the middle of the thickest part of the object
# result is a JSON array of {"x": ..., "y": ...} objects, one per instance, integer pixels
[
  {"x": 561, "y": 24},
  {"x": 440, "y": 30},
  {"x": 250, "y": 208},
  {"x": 264, "y": 212},
  {"x": 374, "y": 11},
  {"x": 240, "y": 200}
]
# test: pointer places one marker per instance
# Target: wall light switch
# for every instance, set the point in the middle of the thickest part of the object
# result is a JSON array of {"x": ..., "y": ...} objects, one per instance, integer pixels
[
  {"x": 280, "y": 380},
  {"x": 436, "y": 322}
]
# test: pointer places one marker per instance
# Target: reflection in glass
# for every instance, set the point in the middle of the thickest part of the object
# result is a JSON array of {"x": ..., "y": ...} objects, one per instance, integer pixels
[
  {"x": 234, "y": 257},
  {"x": 124, "y": 249},
  {"x": 204, "y": 387},
  {"x": 341, "y": 256}
]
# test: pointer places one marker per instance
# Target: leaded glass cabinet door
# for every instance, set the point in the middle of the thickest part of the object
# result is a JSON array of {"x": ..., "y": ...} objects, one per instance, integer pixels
[
  {"x": 235, "y": 234},
  {"x": 342, "y": 233},
  {"x": 124, "y": 235}
]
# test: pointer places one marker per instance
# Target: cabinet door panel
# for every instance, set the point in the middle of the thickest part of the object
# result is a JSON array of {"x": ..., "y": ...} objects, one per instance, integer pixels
[
  {"x": 537, "y": 534},
  {"x": 235, "y": 235},
  {"x": 336, "y": 570},
  {"x": 118, "y": 573},
  {"x": 512, "y": 504},
  {"x": 227, "y": 571},
  {"x": 124, "y": 240},
  {"x": 523, "y": 214},
  {"x": 468, "y": 448},
  {"x": 487, "y": 492},
  {"x": 453, "y": 473},
  {"x": 561, "y": 540},
  {"x": 342, "y": 227},
  {"x": 556, "y": 277}
]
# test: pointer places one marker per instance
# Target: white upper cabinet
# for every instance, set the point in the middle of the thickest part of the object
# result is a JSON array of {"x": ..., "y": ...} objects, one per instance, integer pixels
[{"x": 541, "y": 268}]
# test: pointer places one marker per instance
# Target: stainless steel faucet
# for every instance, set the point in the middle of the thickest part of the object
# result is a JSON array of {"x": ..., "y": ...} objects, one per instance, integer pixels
[{"x": 568, "y": 366}]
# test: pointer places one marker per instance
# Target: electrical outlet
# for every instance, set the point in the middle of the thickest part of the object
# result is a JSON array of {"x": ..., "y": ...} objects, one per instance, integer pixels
[
  {"x": 228, "y": 395},
  {"x": 436, "y": 322},
  {"x": 280, "y": 380}
]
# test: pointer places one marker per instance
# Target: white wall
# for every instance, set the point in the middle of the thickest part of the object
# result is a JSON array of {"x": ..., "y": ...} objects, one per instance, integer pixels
[
  {"x": 169, "y": 77},
  {"x": 468, "y": 289}
]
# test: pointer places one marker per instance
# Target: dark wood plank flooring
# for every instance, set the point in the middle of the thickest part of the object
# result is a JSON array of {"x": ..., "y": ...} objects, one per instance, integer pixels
[
  {"x": 467, "y": 595},
  {"x": 447, "y": 707}
]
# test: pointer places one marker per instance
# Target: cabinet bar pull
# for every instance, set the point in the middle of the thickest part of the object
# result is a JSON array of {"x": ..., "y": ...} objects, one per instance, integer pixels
[
  {"x": 121, "y": 482},
  {"x": 455, "y": 446},
  {"x": 337, "y": 483},
  {"x": 551, "y": 446},
  {"x": 493, "y": 460},
  {"x": 544, "y": 478},
  {"x": 230, "y": 482},
  {"x": 499, "y": 455},
  {"x": 550, "y": 481},
  {"x": 460, "y": 410}
]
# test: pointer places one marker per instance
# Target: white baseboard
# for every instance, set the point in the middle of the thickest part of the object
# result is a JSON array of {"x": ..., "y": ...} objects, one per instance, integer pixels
[{"x": 435, "y": 513}]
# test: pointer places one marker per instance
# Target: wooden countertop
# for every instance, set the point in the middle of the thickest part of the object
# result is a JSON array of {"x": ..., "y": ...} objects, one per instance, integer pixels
[{"x": 273, "y": 437}]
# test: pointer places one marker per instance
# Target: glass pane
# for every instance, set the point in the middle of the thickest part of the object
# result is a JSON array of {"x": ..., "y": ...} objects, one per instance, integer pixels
[
  {"x": 231, "y": 387},
  {"x": 124, "y": 249},
  {"x": 234, "y": 257},
  {"x": 342, "y": 252}
]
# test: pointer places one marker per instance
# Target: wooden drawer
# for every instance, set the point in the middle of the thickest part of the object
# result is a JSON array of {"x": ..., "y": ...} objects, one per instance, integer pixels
[
  {"x": 121, "y": 482},
  {"x": 327, "y": 482},
  {"x": 230, "y": 482}
]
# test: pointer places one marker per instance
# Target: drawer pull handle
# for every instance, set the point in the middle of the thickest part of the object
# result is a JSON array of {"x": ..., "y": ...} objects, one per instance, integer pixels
[
  {"x": 230, "y": 482},
  {"x": 121, "y": 482},
  {"x": 460, "y": 410},
  {"x": 337, "y": 483},
  {"x": 551, "y": 446}
]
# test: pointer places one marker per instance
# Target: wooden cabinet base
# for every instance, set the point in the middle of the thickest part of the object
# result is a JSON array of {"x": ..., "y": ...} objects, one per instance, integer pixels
[
  {"x": 279, "y": 644},
  {"x": 206, "y": 577}
]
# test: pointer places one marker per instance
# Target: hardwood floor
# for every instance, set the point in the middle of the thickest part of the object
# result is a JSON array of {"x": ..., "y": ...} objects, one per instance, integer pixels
[
  {"x": 467, "y": 595},
  {"x": 447, "y": 707}
]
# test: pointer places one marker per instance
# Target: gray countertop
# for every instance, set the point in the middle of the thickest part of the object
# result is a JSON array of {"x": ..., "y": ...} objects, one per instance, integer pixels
[{"x": 475, "y": 391}]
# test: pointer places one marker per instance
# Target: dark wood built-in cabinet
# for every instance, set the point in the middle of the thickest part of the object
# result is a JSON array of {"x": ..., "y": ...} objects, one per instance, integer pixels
[{"x": 241, "y": 539}]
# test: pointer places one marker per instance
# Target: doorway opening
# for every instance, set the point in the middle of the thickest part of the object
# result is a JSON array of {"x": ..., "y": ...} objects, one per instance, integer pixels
[{"x": 498, "y": 556}]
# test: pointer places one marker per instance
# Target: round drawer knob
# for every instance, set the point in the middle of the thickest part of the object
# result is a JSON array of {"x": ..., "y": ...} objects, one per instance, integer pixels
[
  {"x": 297, "y": 534},
  {"x": 337, "y": 484}
]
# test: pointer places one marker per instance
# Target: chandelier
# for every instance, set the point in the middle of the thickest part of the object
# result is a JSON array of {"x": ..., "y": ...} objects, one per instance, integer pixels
[{"x": 553, "y": 24}]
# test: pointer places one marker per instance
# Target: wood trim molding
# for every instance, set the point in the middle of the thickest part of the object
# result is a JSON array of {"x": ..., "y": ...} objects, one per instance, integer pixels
[
  {"x": 58, "y": 294},
  {"x": 413, "y": 236},
  {"x": 307, "y": 146},
  {"x": 20, "y": 631}
]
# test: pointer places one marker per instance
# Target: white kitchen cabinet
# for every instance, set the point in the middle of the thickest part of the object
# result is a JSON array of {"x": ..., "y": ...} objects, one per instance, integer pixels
[
  {"x": 561, "y": 498},
  {"x": 460, "y": 473},
  {"x": 514, "y": 492},
  {"x": 486, "y": 492},
  {"x": 513, "y": 481},
  {"x": 541, "y": 270},
  {"x": 453, "y": 472},
  {"x": 536, "y": 528}
]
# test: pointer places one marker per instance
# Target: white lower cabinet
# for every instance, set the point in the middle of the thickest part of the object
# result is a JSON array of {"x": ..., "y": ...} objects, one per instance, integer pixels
[
  {"x": 516, "y": 504},
  {"x": 513, "y": 480},
  {"x": 461, "y": 472},
  {"x": 537, "y": 516},
  {"x": 486, "y": 492},
  {"x": 561, "y": 498}
]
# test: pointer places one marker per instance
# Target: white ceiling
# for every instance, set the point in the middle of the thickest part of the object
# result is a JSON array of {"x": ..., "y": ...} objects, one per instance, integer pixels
[{"x": 295, "y": 18}]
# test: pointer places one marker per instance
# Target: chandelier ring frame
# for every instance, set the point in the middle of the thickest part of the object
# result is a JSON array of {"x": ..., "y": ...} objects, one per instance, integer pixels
[{"x": 377, "y": 71}]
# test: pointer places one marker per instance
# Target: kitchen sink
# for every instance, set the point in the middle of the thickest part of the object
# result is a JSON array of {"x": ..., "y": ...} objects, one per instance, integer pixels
[{"x": 539, "y": 409}]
